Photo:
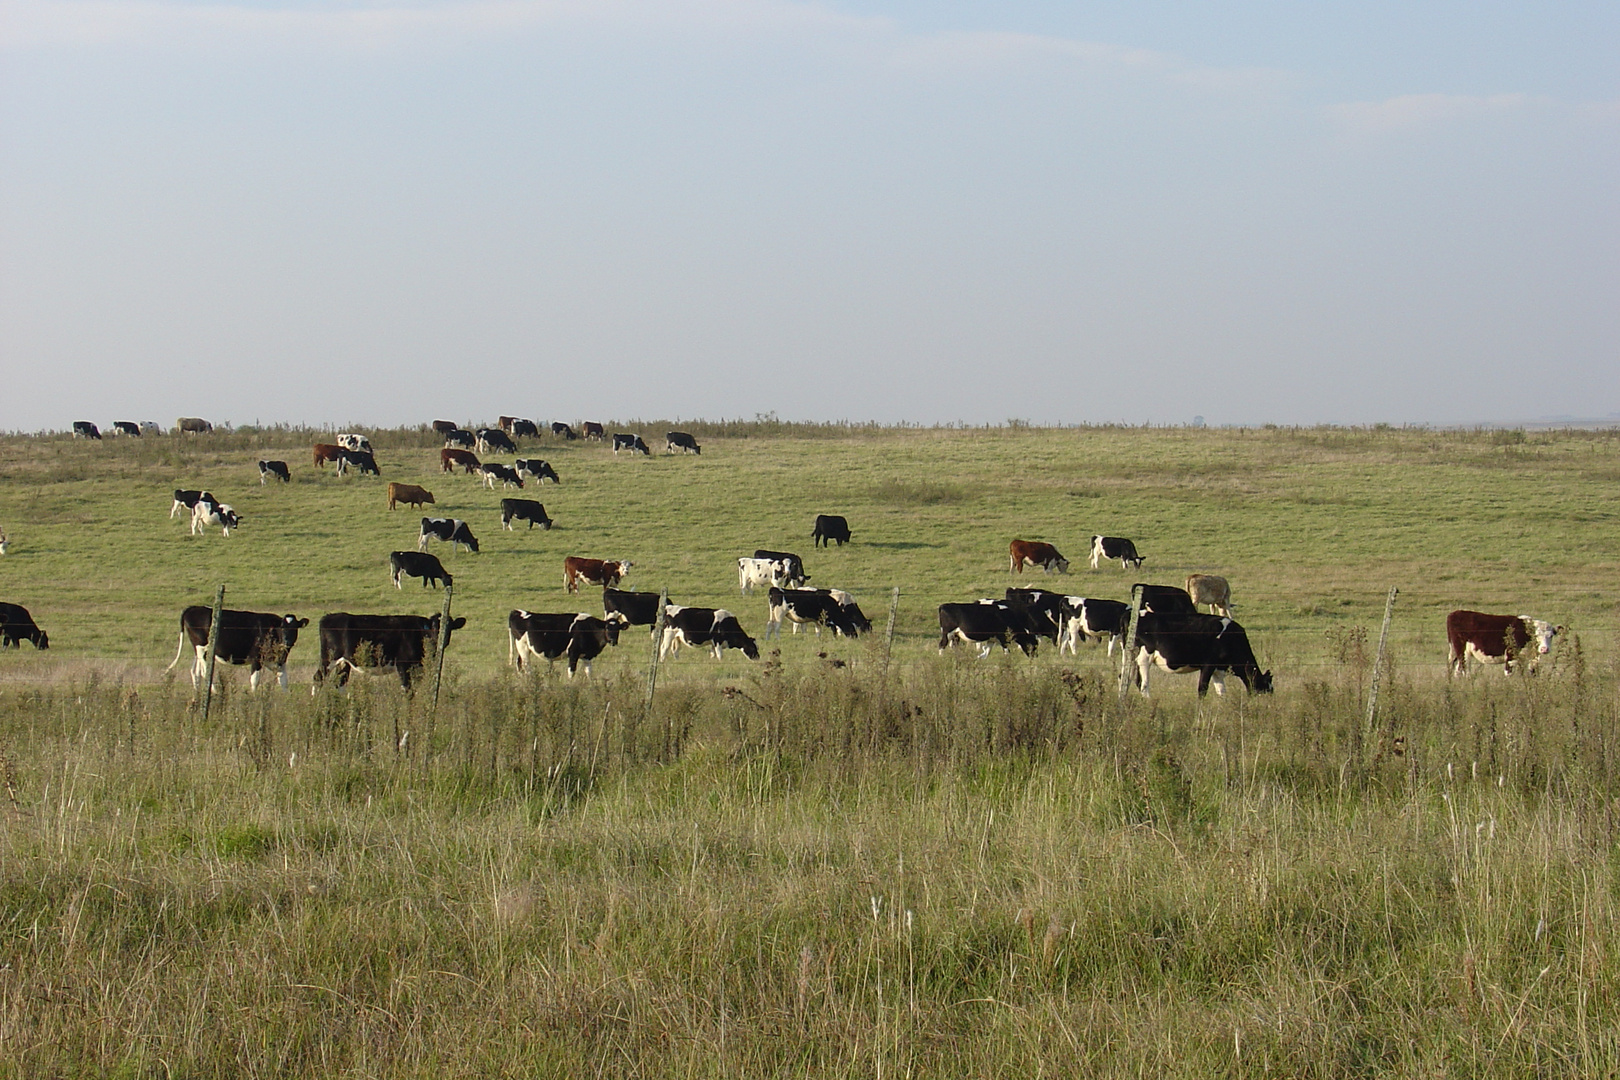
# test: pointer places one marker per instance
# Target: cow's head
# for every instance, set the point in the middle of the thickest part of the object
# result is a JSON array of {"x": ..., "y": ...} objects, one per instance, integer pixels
[
  {"x": 1542, "y": 632},
  {"x": 433, "y": 625},
  {"x": 1261, "y": 682}
]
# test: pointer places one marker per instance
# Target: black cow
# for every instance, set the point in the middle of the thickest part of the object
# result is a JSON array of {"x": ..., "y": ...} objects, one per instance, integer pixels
[
  {"x": 1166, "y": 599},
  {"x": 635, "y": 608},
  {"x": 1115, "y": 547},
  {"x": 525, "y": 429},
  {"x": 453, "y": 530},
  {"x": 1047, "y": 610},
  {"x": 460, "y": 437},
  {"x": 277, "y": 469},
  {"x": 829, "y": 527},
  {"x": 523, "y": 510},
  {"x": 127, "y": 427},
  {"x": 187, "y": 499},
  {"x": 402, "y": 642},
  {"x": 562, "y": 430},
  {"x": 256, "y": 638},
  {"x": 17, "y": 625},
  {"x": 714, "y": 627},
  {"x": 632, "y": 443},
  {"x": 852, "y": 611},
  {"x": 985, "y": 623},
  {"x": 680, "y": 440},
  {"x": 416, "y": 564},
  {"x": 808, "y": 607},
  {"x": 539, "y": 470},
  {"x": 493, "y": 439},
  {"x": 581, "y": 637},
  {"x": 1090, "y": 619},
  {"x": 492, "y": 471},
  {"x": 84, "y": 429},
  {"x": 1207, "y": 644},
  {"x": 795, "y": 576},
  {"x": 362, "y": 460}
]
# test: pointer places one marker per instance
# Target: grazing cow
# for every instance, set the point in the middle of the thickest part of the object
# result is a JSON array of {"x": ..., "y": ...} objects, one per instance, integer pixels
[
  {"x": 760, "y": 573},
  {"x": 680, "y": 440},
  {"x": 277, "y": 469},
  {"x": 1115, "y": 547},
  {"x": 986, "y": 623},
  {"x": 829, "y": 527},
  {"x": 632, "y": 443},
  {"x": 2, "y": 541},
  {"x": 1496, "y": 639},
  {"x": 194, "y": 425},
  {"x": 402, "y": 642},
  {"x": 16, "y": 625},
  {"x": 350, "y": 441},
  {"x": 1211, "y": 589},
  {"x": 1047, "y": 611},
  {"x": 453, "y": 530},
  {"x": 409, "y": 494},
  {"x": 1208, "y": 644},
  {"x": 1166, "y": 600},
  {"x": 207, "y": 513},
  {"x": 492, "y": 471},
  {"x": 606, "y": 572},
  {"x": 523, "y": 510},
  {"x": 525, "y": 429},
  {"x": 188, "y": 499},
  {"x": 325, "y": 452},
  {"x": 449, "y": 459},
  {"x": 593, "y": 430},
  {"x": 126, "y": 427},
  {"x": 505, "y": 422},
  {"x": 562, "y": 430},
  {"x": 714, "y": 627},
  {"x": 809, "y": 607},
  {"x": 493, "y": 439},
  {"x": 445, "y": 427},
  {"x": 539, "y": 470},
  {"x": 362, "y": 460},
  {"x": 149, "y": 427},
  {"x": 462, "y": 438},
  {"x": 256, "y": 638},
  {"x": 852, "y": 611},
  {"x": 794, "y": 577},
  {"x": 1036, "y": 553},
  {"x": 1089, "y": 619},
  {"x": 581, "y": 637},
  {"x": 635, "y": 608},
  {"x": 417, "y": 564},
  {"x": 84, "y": 429}
]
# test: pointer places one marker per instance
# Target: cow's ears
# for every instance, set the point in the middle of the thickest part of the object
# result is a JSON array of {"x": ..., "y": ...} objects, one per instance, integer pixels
[
  {"x": 457, "y": 624},
  {"x": 303, "y": 622}
]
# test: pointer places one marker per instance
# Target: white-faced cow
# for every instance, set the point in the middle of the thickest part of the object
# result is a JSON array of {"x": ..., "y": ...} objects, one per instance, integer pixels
[
  {"x": 409, "y": 494},
  {"x": 806, "y": 607},
  {"x": 563, "y": 431},
  {"x": 794, "y": 576},
  {"x": 632, "y": 443},
  {"x": 680, "y": 440},
  {"x": 351, "y": 441},
  {"x": 16, "y": 625},
  {"x": 126, "y": 427},
  {"x": 715, "y": 627},
  {"x": 350, "y": 643},
  {"x": 84, "y": 429},
  {"x": 536, "y": 470},
  {"x": 491, "y": 440},
  {"x": 523, "y": 510},
  {"x": 607, "y": 572},
  {"x": 453, "y": 531},
  {"x": 256, "y": 638},
  {"x": 274, "y": 470},
  {"x": 186, "y": 499},
  {"x": 1090, "y": 619},
  {"x": 581, "y": 637},
  {"x": 1496, "y": 639},
  {"x": 221, "y": 515},
  {"x": 193, "y": 425},
  {"x": 492, "y": 471},
  {"x": 1115, "y": 547},
  {"x": 362, "y": 461},
  {"x": 986, "y": 623},
  {"x": 1208, "y": 644},
  {"x": 829, "y": 527},
  {"x": 1211, "y": 589},
  {"x": 417, "y": 564}
]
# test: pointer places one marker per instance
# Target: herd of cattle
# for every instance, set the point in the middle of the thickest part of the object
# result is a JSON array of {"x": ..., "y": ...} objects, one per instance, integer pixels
[{"x": 1170, "y": 631}]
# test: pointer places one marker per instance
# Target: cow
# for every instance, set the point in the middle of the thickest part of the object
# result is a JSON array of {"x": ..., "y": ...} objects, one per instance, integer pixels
[
  {"x": 149, "y": 427},
  {"x": 450, "y": 458},
  {"x": 1088, "y": 619},
  {"x": 852, "y": 611},
  {"x": 324, "y": 452},
  {"x": 625, "y": 441},
  {"x": 350, "y": 441},
  {"x": 1210, "y": 589},
  {"x": 445, "y": 427},
  {"x": 276, "y": 469},
  {"x": 453, "y": 530},
  {"x": 680, "y": 440},
  {"x": 256, "y": 638},
  {"x": 493, "y": 439},
  {"x": 361, "y": 460},
  {"x": 126, "y": 427},
  {"x": 1115, "y": 547},
  {"x": 525, "y": 429},
  {"x": 409, "y": 494},
  {"x": 606, "y": 572},
  {"x": 714, "y": 627},
  {"x": 505, "y": 423},
  {"x": 760, "y": 573},
  {"x": 193, "y": 425},
  {"x": 187, "y": 499},
  {"x": 592, "y": 430},
  {"x": 1211, "y": 645},
  {"x": 829, "y": 527},
  {"x": 402, "y": 642},
  {"x": 581, "y": 637},
  {"x": 461, "y": 438},
  {"x": 635, "y": 608},
  {"x": 1036, "y": 553},
  {"x": 539, "y": 470},
  {"x": 2, "y": 541},
  {"x": 417, "y": 564},
  {"x": 809, "y": 607},
  {"x": 1165, "y": 599},
  {"x": 207, "y": 513},
  {"x": 84, "y": 429},
  {"x": 16, "y": 626},
  {"x": 524, "y": 510},
  {"x": 1047, "y": 611},
  {"x": 1495, "y": 639},
  {"x": 563, "y": 431},
  {"x": 492, "y": 471},
  {"x": 986, "y": 623},
  {"x": 794, "y": 576}
]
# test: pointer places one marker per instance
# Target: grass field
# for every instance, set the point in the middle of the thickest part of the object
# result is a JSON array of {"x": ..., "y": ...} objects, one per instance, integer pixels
[{"x": 855, "y": 864}]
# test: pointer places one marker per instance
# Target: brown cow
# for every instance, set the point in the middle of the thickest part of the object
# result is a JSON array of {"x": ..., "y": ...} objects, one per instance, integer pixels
[
  {"x": 195, "y": 425},
  {"x": 325, "y": 452},
  {"x": 450, "y": 457},
  {"x": 505, "y": 423},
  {"x": 1213, "y": 590},
  {"x": 409, "y": 494},
  {"x": 606, "y": 572},
  {"x": 590, "y": 429},
  {"x": 445, "y": 427},
  {"x": 1495, "y": 639},
  {"x": 1036, "y": 553}
]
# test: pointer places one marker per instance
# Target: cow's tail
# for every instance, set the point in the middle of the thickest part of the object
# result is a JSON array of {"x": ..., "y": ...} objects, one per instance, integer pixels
[{"x": 178, "y": 651}]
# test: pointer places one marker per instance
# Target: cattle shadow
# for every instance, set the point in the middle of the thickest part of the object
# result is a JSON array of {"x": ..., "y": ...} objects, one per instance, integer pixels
[{"x": 899, "y": 545}]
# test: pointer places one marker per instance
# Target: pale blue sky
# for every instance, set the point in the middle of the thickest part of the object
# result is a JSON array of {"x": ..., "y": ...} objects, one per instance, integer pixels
[{"x": 1063, "y": 212}]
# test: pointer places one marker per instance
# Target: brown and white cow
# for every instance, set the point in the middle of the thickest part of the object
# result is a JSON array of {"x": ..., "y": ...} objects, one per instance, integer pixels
[
  {"x": 450, "y": 457},
  {"x": 1036, "y": 553},
  {"x": 1211, "y": 589},
  {"x": 194, "y": 425},
  {"x": 608, "y": 572},
  {"x": 409, "y": 494},
  {"x": 590, "y": 429},
  {"x": 325, "y": 452},
  {"x": 1495, "y": 639}
]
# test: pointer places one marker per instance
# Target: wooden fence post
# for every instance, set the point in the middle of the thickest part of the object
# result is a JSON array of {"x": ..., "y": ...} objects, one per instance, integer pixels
[
  {"x": 438, "y": 673},
  {"x": 652, "y": 667},
  {"x": 1127, "y": 659},
  {"x": 213, "y": 647},
  {"x": 1370, "y": 732}
]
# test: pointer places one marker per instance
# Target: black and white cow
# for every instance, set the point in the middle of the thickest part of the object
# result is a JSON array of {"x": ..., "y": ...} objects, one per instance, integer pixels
[
  {"x": 492, "y": 471},
  {"x": 986, "y": 623},
  {"x": 563, "y": 431},
  {"x": 760, "y": 574},
  {"x": 491, "y": 440},
  {"x": 680, "y": 440},
  {"x": 794, "y": 576},
  {"x": 1115, "y": 547},
  {"x": 460, "y": 438},
  {"x": 2, "y": 541},
  {"x": 362, "y": 461},
  {"x": 524, "y": 429},
  {"x": 207, "y": 513},
  {"x": 274, "y": 469},
  {"x": 806, "y": 607},
  {"x": 523, "y": 510},
  {"x": 635, "y": 608},
  {"x": 149, "y": 427},
  {"x": 632, "y": 443},
  {"x": 187, "y": 499},
  {"x": 256, "y": 638},
  {"x": 1090, "y": 619},
  {"x": 1046, "y": 610},
  {"x": 852, "y": 611},
  {"x": 714, "y": 627},
  {"x": 453, "y": 530},
  {"x": 830, "y": 527},
  {"x": 126, "y": 427},
  {"x": 1208, "y": 644},
  {"x": 84, "y": 429},
  {"x": 402, "y": 642},
  {"x": 416, "y": 564},
  {"x": 581, "y": 637},
  {"x": 350, "y": 441},
  {"x": 1166, "y": 599},
  {"x": 536, "y": 469},
  {"x": 17, "y": 625}
]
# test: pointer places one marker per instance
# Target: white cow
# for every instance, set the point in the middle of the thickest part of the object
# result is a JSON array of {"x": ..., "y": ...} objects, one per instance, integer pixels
[
  {"x": 206, "y": 513},
  {"x": 761, "y": 573}
]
